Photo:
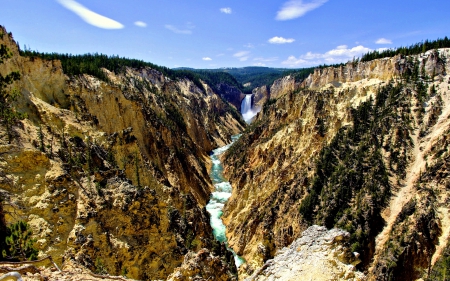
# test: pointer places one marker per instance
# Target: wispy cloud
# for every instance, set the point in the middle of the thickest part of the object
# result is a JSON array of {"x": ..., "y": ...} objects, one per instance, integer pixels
[
  {"x": 226, "y": 10},
  {"x": 140, "y": 23},
  {"x": 260, "y": 61},
  {"x": 207, "y": 58},
  {"x": 242, "y": 55},
  {"x": 383, "y": 41},
  {"x": 297, "y": 8},
  {"x": 338, "y": 55},
  {"x": 89, "y": 16},
  {"x": 249, "y": 45},
  {"x": 187, "y": 30},
  {"x": 280, "y": 40},
  {"x": 266, "y": 59}
]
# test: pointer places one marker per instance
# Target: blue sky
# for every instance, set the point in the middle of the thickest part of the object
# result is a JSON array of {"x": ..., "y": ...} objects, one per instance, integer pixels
[{"x": 221, "y": 33}]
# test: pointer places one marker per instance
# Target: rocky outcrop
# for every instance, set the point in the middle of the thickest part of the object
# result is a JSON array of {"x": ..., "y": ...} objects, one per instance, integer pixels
[
  {"x": 295, "y": 168},
  {"x": 70, "y": 271},
  {"x": 203, "y": 265},
  {"x": 280, "y": 87},
  {"x": 385, "y": 69},
  {"x": 319, "y": 254},
  {"x": 112, "y": 174}
]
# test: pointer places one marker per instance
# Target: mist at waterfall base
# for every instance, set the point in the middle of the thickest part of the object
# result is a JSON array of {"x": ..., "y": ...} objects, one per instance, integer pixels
[
  {"x": 222, "y": 192},
  {"x": 246, "y": 109}
]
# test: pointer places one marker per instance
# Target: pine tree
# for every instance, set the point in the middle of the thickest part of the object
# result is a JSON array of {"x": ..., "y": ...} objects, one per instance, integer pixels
[
  {"x": 136, "y": 166},
  {"x": 20, "y": 244},
  {"x": 8, "y": 115},
  {"x": 3, "y": 229}
]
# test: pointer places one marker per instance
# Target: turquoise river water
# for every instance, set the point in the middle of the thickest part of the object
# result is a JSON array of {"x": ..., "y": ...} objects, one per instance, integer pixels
[{"x": 219, "y": 197}]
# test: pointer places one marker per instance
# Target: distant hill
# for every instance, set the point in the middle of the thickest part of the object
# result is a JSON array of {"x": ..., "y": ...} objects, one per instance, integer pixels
[{"x": 256, "y": 76}]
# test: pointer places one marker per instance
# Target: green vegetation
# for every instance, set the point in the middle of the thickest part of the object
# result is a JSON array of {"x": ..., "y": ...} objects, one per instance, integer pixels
[
  {"x": 100, "y": 267},
  {"x": 351, "y": 184},
  {"x": 136, "y": 167},
  {"x": 254, "y": 75},
  {"x": 441, "y": 270},
  {"x": 3, "y": 229},
  {"x": 92, "y": 64},
  {"x": 407, "y": 51},
  {"x": 124, "y": 272},
  {"x": 214, "y": 79},
  {"x": 20, "y": 245},
  {"x": 8, "y": 115},
  {"x": 260, "y": 76}
]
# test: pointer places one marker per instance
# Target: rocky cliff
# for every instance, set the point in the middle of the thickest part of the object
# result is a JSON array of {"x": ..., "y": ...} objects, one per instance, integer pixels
[
  {"x": 360, "y": 147},
  {"x": 319, "y": 254},
  {"x": 278, "y": 88},
  {"x": 113, "y": 175}
]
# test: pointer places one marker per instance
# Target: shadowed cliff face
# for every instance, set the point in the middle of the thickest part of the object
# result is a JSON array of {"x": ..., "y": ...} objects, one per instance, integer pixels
[
  {"x": 231, "y": 94},
  {"x": 112, "y": 174},
  {"x": 280, "y": 87},
  {"x": 345, "y": 150}
]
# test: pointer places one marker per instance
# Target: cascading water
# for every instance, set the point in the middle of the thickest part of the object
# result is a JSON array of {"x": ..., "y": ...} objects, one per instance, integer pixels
[
  {"x": 218, "y": 198},
  {"x": 246, "y": 109}
]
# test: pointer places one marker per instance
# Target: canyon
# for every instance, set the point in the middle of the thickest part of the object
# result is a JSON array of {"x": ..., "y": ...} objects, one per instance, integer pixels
[{"x": 343, "y": 175}]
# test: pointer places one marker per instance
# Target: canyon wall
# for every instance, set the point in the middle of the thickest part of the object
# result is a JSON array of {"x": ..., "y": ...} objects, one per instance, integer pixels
[
  {"x": 350, "y": 147},
  {"x": 113, "y": 175}
]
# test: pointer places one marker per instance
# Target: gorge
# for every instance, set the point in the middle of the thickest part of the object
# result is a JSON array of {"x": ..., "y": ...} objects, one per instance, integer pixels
[
  {"x": 220, "y": 195},
  {"x": 152, "y": 174}
]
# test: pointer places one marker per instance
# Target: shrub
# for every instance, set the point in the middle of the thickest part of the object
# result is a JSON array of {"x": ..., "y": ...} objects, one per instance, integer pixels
[{"x": 19, "y": 242}]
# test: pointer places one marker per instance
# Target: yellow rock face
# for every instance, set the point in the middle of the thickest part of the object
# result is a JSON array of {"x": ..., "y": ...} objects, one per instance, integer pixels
[
  {"x": 113, "y": 175},
  {"x": 271, "y": 164}
]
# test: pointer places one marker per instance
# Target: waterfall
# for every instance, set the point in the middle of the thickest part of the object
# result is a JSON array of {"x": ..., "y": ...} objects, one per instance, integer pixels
[{"x": 246, "y": 109}]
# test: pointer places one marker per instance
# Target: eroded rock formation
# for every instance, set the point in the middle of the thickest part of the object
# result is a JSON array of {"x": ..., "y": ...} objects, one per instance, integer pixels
[
  {"x": 349, "y": 148},
  {"x": 319, "y": 254},
  {"x": 112, "y": 174}
]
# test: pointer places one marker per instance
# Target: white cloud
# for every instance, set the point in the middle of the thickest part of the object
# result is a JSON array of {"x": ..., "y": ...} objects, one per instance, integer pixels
[
  {"x": 266, "y": 59},
  {"x": 383, "y": 41},
  {"x": 89, "y": 16},
  {"x": 207, "y": 58},
  {"x": 242, "y": 55},
  {"x": 179, "y": 31},
  {"x": 293, "y": 61},
  {"x": 280, "y": 40},
  {"x": 226, "y": 10},
  {"x": 340, "y": 54},
  {"x": 296, "y": 8},
  {"x": 259, "y": 64},
  {"x": 140, "y": 24}
]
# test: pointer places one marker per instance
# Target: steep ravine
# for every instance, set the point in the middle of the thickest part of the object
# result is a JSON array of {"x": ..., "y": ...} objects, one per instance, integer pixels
[
  {"x": 222, "y": 191},
  {"x": 337, "y": 151},
  {"x": 113, "y": 175}
]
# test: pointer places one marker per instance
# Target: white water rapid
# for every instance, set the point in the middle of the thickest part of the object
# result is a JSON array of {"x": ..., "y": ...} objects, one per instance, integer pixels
[
  {"x": 218, "y": 198},
  {"x": 246, "y": 109}
]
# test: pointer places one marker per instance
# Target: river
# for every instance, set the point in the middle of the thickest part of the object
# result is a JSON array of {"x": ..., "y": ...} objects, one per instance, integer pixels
[{"x": 221, "y": 194}]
